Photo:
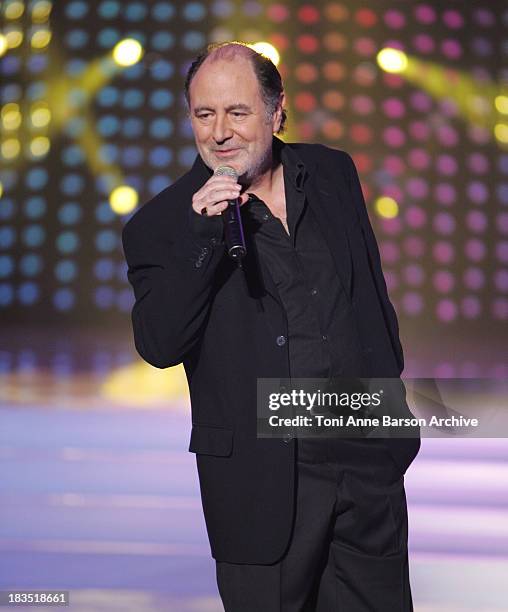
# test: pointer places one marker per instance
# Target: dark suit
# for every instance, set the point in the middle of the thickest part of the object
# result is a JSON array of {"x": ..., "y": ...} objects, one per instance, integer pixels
[{"x": 194, "y": 306}]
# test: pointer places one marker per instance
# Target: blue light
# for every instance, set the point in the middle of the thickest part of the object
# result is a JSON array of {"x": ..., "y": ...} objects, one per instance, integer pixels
[
  {"x": 67, "y": 242},
  {"x": 105, "y": 241},
  {"x": 132, "y": 127},
  {"x": 107, "y": 96},
  {"x": 36, "y": 178},
  {"x": 35, "y": 207},
  {"x": 104, "y": 269},
  {"x": 6, "y": 266},
  {"x": 163, "y": 11},
  {"x": 28, "y": 293},
  {"x": 69, "y": 213},
  {"x": 8, "y": 178},
  {"x": 133, "y": 98},
  {"x": 72, "y": 184},
  {"x": 33, "y": 236},
  {"x": 75, "y": 67},
  {"x": 162, "y": 70},
  {"x": 194, "y": 11},
  {"x": 161, "y": 99},
  {"x": 74, "y": 127},
  {"x": 37, "y": 63},
  {"x": 134, "y": 72},
  {"x": 121, "y": 272},
  {"x": 187, "y": 155},
  {"x": 11, "y": 64},
  {"x": 7, "y": 209},
  {"x": 30, "y": 264},
  {"x": 161, "y": 128},
  {"x": 7, "y": 237},
  {"x": 75, "y": 39},
  {"x": 132, "y": 156},
  {"x": 76, "y": 10},
  {"x": 108, "y": 153},
  {"x": 108, "y": 125},
  {"x": 125, "y": 300},
  {"x": 6, "y": 294},
  {"x": 162, "y": 41},
  {"x": 135, "y": 11},
  {"x": 160, "y": 157},
  {"x": 104, "y": 297},
  {"x": 36, "y": 90},
  {"x": 104, "y": 213},
  {"x": 11, "y": 93},
  {"x": 108, "y": 10},
  {"x": 66, "y": 270},
  {"x": 158, "y": 183},
  {"x": 108, "y": 37},
  {"x": 223, "y": 8},
  {"x": 73, "y": 155},
  {"x": 64, "y": 299},
  {"x": 194, "y": 40}
]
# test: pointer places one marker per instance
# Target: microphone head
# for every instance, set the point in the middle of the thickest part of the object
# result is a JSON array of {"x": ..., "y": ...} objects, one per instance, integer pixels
[{"x": 226, "y": 171}]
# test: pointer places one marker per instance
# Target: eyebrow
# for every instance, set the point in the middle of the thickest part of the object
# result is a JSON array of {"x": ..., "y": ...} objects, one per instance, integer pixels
[{"x": 231, "y": 107}]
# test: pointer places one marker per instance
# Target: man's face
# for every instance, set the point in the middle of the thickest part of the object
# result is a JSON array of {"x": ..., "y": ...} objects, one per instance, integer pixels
[{"x": 229, "y": 117}]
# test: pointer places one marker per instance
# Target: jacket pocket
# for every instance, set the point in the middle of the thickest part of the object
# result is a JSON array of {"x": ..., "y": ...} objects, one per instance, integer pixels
[{"x": 209, "y": 440}]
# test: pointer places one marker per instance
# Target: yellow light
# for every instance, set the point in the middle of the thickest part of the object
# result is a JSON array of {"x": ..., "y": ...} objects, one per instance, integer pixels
[
  {"x": 41, "y": 10},
  {"x": 268, "y": 50},
  {"x": 386, "y": 207},
  {"x": 14, "y": 10},
  {"x": 501, "y": 103},
  {"x": 392, "y": 60},
  {"x": 501, "y": 132},
  {"x": 1, "y": 189},
  {"x": 3, "y": 44},
  {"x": 123, "y": 199},
  {"x": 127, "y": 52},
  {"x": 40, "y": 116},
  {"x": 39, "y": 146},
  {"x": 14, "y": 38},
  {"x": 11, "y": 119},
  {"x": 10, "y": 148},
  {"x": 41, "y": 39}
]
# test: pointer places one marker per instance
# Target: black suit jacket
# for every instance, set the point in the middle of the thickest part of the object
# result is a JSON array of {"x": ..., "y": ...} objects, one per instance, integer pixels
[{"x": 194, "y": 306}]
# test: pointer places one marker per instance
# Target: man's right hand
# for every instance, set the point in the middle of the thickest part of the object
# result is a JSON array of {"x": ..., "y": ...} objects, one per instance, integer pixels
[{"x": 213, "y": 197}]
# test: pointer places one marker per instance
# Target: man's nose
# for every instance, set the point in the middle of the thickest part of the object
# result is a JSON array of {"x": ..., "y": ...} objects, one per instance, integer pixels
[{"x": 221, "y": 129}]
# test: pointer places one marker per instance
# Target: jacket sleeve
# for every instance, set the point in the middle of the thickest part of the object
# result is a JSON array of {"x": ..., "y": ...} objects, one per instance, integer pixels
[
  {"x": 172, "y": 281},
  {"x": 375, "y": 262}
]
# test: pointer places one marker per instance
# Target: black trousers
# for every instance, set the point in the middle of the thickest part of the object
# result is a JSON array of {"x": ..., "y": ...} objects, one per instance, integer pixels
[{"x": 348, "y": 550}]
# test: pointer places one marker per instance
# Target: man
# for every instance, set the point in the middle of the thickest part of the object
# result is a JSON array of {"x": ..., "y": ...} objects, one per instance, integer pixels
[{"x": 294, "y": 525}]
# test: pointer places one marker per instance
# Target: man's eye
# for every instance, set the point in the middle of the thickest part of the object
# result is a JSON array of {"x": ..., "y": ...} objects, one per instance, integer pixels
[
  {"x": 204, "y": 116},
  {"x": 239, "y": 114}
]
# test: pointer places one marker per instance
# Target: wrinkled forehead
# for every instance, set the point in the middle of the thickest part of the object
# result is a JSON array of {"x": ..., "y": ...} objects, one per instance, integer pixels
[{"x": 220, "y": 79}]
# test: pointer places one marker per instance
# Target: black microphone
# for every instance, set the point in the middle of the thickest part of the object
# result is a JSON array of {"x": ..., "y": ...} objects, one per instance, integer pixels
[{"x": 231, "y": 216}]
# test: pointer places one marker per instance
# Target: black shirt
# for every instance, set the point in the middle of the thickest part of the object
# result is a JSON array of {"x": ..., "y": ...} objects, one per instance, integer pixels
[{"x": 321, "y": 333}]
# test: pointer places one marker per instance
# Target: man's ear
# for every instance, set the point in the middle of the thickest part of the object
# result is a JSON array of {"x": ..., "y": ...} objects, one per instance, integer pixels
[{"x": 277, "y": 116}]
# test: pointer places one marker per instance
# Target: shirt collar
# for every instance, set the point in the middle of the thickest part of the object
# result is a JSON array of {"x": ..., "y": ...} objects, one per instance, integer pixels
[{"x": 294, "y": 168}]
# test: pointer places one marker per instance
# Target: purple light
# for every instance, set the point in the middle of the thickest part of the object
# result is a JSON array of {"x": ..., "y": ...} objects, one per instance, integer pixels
[
  {"x": 417, "y": 188},
  {"x": 391, "y": 227},
  {"x": 451, "y": 49},
  {"x": 443, "y": 252},
  {"x": 389, "y": 252},
  {"x": 502, "y": 251},
  {"x": 394, "y": 136},
  {"x": 421, "y": 101},
  {"x": 476, "y": 221},
  {"x": 414, "y": 246},
  {"x": 446, "y": 164},
  {"x": 419, "y": 159},
  {"x": 425, "y": 13},
  {"x": 445, "y": 194},
  {"x": 478, "y": 163},
  {"x": 419, "y": 130},
  {"x": 483, "y": 17},
  {"x": 502, "y": 223},
  {"x": 447, "y": 135},
  {"x": 474, "y": 278},
  {"x": 500, "y": 308},
  {"x": 501, "y": 280},
  {"x": 423, "y": 43},
  {"x": 477, "y": 192},
  {"x": 471, "y": 307},
  {"x": 444, "y": 223},
  {"x": 414, "y": 275},
  {"x": 415, "y": 217},
  {"x": 394, "y": 108},
  {"x": 394, "y": 19},
  {"x": 446, "y": 310},
  {"x": 394, "y": 165},
  {"x": 444, "y": 370},
  {"x": 453, "y": 19},
  {"x": 412, "y": 303},
  {"x": 391, "y": 279},
  {"x": 443, "y": 281},
  {"x": 475, "y": 249}
]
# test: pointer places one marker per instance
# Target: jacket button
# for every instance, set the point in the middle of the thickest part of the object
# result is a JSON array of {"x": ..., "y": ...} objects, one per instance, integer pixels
[
  {"x": 198, "y": 263},
  {"x": 281, "y": 340},
  {"x": 204, "y": 251},
  {"x": 213, "y": 241}
]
